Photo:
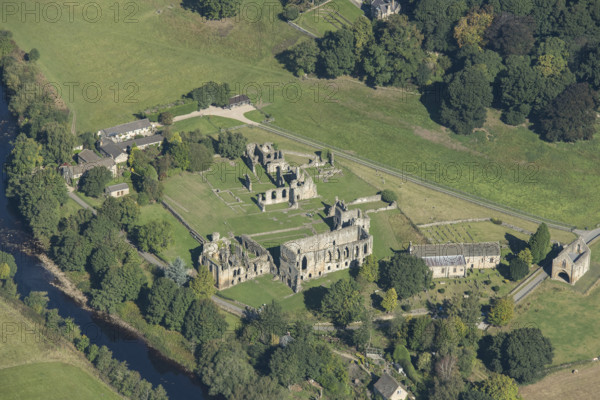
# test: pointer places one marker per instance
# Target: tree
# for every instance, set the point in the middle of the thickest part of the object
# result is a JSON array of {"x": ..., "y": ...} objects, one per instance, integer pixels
[
  {"x": 469, "y": 94},
  {"x": 6, "y": 43},
  {"x": 303, "y": 57},
  {"x": 203, "y": 284},
  {"x": 502, "y": 311},
  {"x": 23, "y": 159},
  {"x": 526, "y": 352},
  {"x": 343, "y": 302},
  {"x": 421, "y": 333},
  {"x": 8, "y": 259},
  {"x": 4, "y": 271},
  {"x": 123, "y": 212},
  {"x": 214, "y": 10},
  {"x": 389, "y": 196},
  {"x": 500, "y": 387},
  {"x": 165, "y": 118},
  {"x": 200, "y": 157},
  {"x": 179, "y": 152},
  {"x": 518, "y": 269},
  {"x": 290, "y": 12},
  {"x": 175, "y": 315},
  {"x": 405, "y": 273},
  {"x": 71, "y": 251},
  {"x": 589, "y": 67},
  {"x": 177, "y": 271},
  {"x": 369, "y": 269},
  {"x": 336, "y": 57},
  {"x": 37, "y": 301},
  {"x": 159, "y": 298},
  {"x": 94, "y": 181},
  {"x": 33, "y": 55},
  {"x": 436, "y": 18},
  {"x": 57, "y": 142},
  {"x": 539, "y": 243},
  {"x": 570, "y": 116},
  {"x": 203, "y": 322},
  {"x": 470, "y": 29},
  {"x": 154, "y": 236},
  {"x": 231, "y": 145},
  {"x": 271, "y": 322},
  {"x": 509, "y": 34},
  {"x": 390, "y": 300},
  {"x": 525, "y": 256}
]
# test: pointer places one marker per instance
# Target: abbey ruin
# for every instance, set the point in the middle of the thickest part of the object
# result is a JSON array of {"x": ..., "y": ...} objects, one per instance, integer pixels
[{"x": 572, "y": 262}]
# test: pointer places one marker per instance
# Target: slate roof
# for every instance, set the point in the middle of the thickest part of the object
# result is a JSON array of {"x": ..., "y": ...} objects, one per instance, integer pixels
[
  {"x": 112, "y": 149},
  {"x": 82, "y": 168},
  {"x": 118, "y": 186},
  {"x": 86, "y": 156},
  {"x": 240, "y": 98},
  {"x": 445, "y": 261},
  {"x": 142, "y": 141},
  {"x": 128, "y": 127},
  {"x": 483, "y": 249},
  {"x": 386, "y": 385}
]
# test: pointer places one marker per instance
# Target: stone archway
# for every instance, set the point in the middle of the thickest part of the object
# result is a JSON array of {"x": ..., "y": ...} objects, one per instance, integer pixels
[{"x": 564, "y": 276}]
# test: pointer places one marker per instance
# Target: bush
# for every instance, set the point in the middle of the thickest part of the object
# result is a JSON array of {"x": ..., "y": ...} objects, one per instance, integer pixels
[
  {"x": 388, "y": 196},
  {"x": 496, "y": 221},
  {"x": 496, "y": 288},
  {"x": 33, "y": 55},
  {"x": 518, "y": 269},
  {"x": 487, "y": 282},
  {"x": 442, "y": 290},
  {"x": 165, "y": 118},
  {"x": 126, "y": 174},
  {"x": 290, "y": 12},
  {"x": 406, "y": 307}
]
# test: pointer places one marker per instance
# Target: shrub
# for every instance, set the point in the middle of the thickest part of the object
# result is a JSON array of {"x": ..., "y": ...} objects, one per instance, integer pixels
[
  {"x": 33, "y": 55},
  {"x": 442, "y": 290},
  {"x": 406, "y": 307},
  {"x": 290, "y": 12},
  {"x": 496, "y": 288},
  {"x": 496, "y": 221},
  {"x": 487, "y": 282},
  {"x": 388, "y": 196},
  {"x": 165, "y": 118}
]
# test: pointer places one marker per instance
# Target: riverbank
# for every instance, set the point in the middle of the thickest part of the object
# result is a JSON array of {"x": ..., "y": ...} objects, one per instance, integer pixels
[{"x": 66, "y": 286}]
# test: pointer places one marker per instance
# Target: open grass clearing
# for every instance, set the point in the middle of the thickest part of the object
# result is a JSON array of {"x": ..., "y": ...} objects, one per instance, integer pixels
[
  {"x": 329, "y": 17},
  {"x": 566, "y": 385}
]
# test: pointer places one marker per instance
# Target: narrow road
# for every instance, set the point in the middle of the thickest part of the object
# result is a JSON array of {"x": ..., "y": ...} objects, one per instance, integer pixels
[
  {"x": 529, "y": 285},
  {"x": 228, "y": 306},
  {"x": 79, "y": 201}
]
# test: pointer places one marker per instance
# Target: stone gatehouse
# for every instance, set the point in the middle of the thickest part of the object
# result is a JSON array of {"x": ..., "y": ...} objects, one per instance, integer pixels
[
  {"x": 236, "y": 260},
  {"x": 452, "y": 260},
  {"x": 314, "y": 256},
  {"x": 572, "y": 262}
]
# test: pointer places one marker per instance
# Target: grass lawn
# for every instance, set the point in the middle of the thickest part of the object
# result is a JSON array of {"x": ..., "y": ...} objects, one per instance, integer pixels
[
  {"x": 176, "y": 51},
  {"x": 51, "y": 381},
  {"x": 393, "y": 232},
  {"x": 565, "y": 316},
  {"x": 470, "y": 232},
  {"x": 207, "y": 124},
  {"x": 183, "y": 244},
  {"x": 69, "y": 208},
  {"x": 329, "y": 17},
  {"x": 587, "y": 281},
  {"x": 33, "y": 366},
  {"x": 566, "y": 385}
]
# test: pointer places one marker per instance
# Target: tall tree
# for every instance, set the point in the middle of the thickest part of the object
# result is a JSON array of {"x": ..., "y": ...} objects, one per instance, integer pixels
[
  {"x": 343, "y": 302},
  {"x": 203, "y": 284},
  {"x": 203, "y": 322},
  {"x": 405, "y": 273},
  {"x": 159, "y": 298},
  {"x": 500, "y": 387},
  {"x": 502, "y": 311},
  {"x": 390, "y": 300},
  {"x": 94, "y": 181},
  {"x": 369, "y": 269},
  {"x": 469, "y": 94},
  {"x": 336, "y": 57},
  {"x": 177, "y": 271},
  {"x": 539, "y": 243}
]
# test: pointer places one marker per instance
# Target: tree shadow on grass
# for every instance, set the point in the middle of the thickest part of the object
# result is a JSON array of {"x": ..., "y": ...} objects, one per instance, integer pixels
[
  {"x": 431, "y": 98},
  {"x": 313, "y": 298},
  {"x": 195, "y": 254},
  {"x": 514, "y": 243}
]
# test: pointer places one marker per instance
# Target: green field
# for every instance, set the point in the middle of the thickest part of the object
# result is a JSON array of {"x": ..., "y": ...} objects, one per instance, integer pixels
[
  {"x": 565, "y": 316},
  {"x": 470, "y": 232},
  {"x": 33, "y": 366},
  {"x": 51, "y": 381},
  {"x": 332, "y": 16},
  {"x": 509, "y": 165},
  {"x": 209, "y": 124}
]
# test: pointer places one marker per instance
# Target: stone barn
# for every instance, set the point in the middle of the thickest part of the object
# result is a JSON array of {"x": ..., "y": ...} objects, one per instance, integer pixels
[
  {"x": 318, "y": 255},
  {"x": 232, "y": 261},
  {"x": 572, "y": 262},
  {"x": 452, "y": 260}
]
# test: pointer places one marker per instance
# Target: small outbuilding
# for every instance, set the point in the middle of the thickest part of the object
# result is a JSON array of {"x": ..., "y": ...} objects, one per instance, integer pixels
[
  {"x": 238, "y": 100},
  {"x": 118, "y": 190},
  {"x": 390, "y": 389}
]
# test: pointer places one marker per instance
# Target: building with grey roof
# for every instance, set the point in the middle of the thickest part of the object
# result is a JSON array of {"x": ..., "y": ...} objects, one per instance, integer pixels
[
  {"x": 381, "y": 9},
  {"x": 87, "y": 156},
  {"x": 72, "y": 172},
  {"x": 451, "y": 260},
  {"x": 142, "y": 143},
  {"x": 118, "y": 190},
  {"x": 389, "y": 388},
  {"x": 127, "y": 131},
  {"x": 118, "y": 150}
]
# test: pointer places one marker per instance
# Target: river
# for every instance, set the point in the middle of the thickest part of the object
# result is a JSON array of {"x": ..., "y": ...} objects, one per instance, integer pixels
[{"x": 32, "y": 276}]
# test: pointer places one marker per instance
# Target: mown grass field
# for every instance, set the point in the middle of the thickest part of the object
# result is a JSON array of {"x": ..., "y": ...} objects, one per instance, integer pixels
[
  {"x": 34, "y": 366},
  {"x": 209, "y": 124},
  {"x": 329, "y": 17},
  {"x": 566, "y": 385},
  {"x": 175, "y": 51},
  {"x": 470, "y": 232},
  {"x": 565, "y": 316}
]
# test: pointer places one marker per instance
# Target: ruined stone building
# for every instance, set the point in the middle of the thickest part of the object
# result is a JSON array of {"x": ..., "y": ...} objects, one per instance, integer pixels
[
  {"x": 314, "y": 256},
  {"x": 301, "y": 187},
  {"x": 343, "y": 217},
  {"x": 232, "y": 261},
  {"x": 265, "y": 155},
  {"x": 452, "y": 260},
  {"x": 572, "y": 262}
]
